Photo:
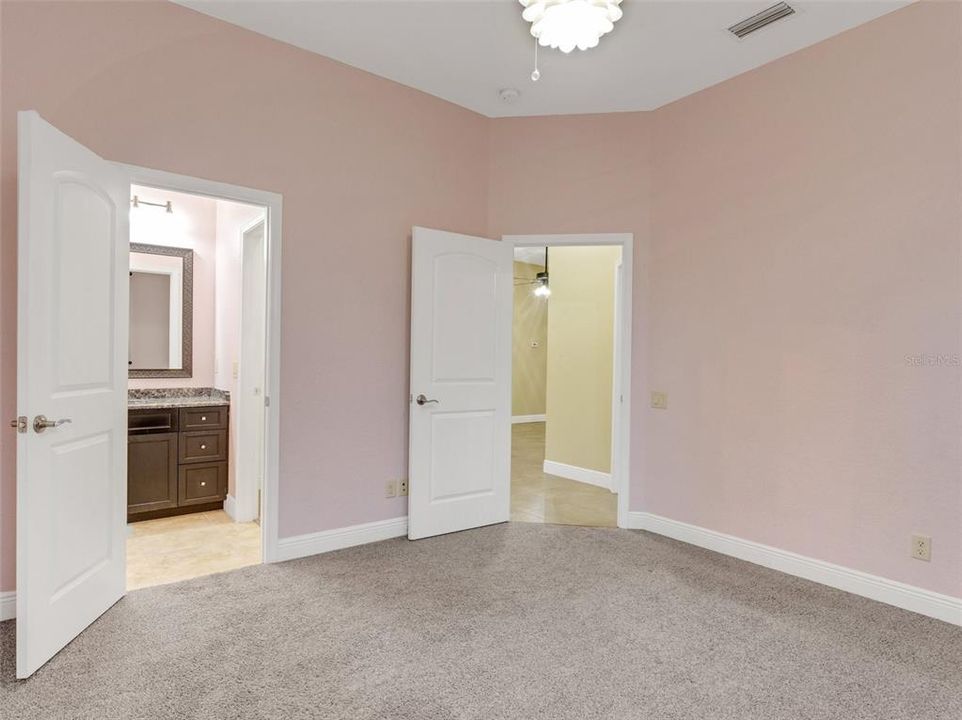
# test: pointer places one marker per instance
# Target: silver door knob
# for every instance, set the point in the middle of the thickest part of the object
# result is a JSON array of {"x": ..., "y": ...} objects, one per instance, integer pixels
[
  {"x": 421, "y": 400},
  {"x": 40, "y": 423}
]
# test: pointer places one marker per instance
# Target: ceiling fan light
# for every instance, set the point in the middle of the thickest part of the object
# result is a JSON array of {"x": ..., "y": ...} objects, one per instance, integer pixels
[
  {"x": 570, "y": 24},
  {"x": 533, "y": 12}
]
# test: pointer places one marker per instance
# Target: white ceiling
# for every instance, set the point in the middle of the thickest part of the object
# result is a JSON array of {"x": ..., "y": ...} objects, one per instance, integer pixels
[
  {"x": 530, "y": 255},
  {"x": 465, "y": 51}
]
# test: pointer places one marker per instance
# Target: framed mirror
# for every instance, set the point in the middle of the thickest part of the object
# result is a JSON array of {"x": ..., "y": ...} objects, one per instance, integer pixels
[{"x": 161, "y": 311}]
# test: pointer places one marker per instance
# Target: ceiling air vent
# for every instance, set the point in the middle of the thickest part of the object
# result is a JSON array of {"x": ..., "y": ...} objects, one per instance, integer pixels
[{"x": 764, "y": 18}]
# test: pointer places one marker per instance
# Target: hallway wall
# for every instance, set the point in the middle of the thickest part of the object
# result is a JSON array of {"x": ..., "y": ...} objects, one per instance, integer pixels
[
  {"x": 580, "y": 358},
  {"x": 528, "y": 364}
]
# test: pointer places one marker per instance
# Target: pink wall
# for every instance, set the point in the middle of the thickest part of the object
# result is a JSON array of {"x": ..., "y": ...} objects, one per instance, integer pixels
[
  {"x": 158, "y": 85},
  {"x": 797, "y": 242},
  {"x": 192, "y": 225},
  {"x": 801, "y": 225},
  {"x": 806, "y": 244}
]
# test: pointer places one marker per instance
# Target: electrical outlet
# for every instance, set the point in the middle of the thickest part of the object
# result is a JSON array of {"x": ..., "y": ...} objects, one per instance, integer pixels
[
  {"x": 390, "y": 488},
  {"x": 402, "y": 487},
  {"x": 922, "y": 547},
  {"x": 659, "y": 400}
]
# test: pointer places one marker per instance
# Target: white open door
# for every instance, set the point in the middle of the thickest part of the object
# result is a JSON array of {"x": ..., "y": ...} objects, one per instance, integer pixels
[
  {"x": 460, "y": 429},
  {"x": 72, "y": 372},
  {"x": 249, "y": 465}
]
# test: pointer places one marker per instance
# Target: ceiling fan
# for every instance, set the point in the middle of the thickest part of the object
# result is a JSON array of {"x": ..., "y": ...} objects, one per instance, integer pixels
[{"x": 540, "y": 282}]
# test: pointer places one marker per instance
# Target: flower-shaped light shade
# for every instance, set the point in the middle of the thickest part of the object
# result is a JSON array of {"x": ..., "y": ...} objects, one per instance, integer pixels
[{"x": 570, "y": 24}]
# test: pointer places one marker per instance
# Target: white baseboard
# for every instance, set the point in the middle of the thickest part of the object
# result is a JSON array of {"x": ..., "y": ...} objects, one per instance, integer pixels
[
  {"x": 579, "y": 474},
  {"x": 321, "y": 542},
  {"x": 891, "y": 592},
  {"x": 516, "y": 419},
  {"x": 8, "y": 605},
  {"x": 230, "y": 507}
]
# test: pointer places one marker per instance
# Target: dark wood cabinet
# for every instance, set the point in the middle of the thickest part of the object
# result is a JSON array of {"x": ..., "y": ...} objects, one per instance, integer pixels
[
  {"x": 151, "y": 472},
  {"x": 176, "y": 460},
  {"x": 204, "y": 446},
  {"x": 202, "y": 483},
  {"x": 203, "y": 418}
]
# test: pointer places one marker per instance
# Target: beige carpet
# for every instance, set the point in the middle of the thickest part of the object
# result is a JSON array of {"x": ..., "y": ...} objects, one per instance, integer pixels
[{"x": 511, "y": 621}]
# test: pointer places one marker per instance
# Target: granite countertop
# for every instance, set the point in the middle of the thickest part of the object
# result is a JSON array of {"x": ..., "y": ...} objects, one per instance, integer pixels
[{"x": 176, "y": 398}]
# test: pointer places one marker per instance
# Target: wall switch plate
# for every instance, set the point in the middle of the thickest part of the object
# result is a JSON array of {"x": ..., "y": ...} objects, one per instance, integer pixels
[
  {"x": 390, "y": 488},
  {"x": 922, "y": 547},
  {"x": 659, "y": 400},
  {"x": 402, "y": 487}
]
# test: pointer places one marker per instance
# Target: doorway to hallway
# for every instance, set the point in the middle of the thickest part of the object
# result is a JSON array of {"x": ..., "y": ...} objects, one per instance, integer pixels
[{"x": 564, "y": 349}]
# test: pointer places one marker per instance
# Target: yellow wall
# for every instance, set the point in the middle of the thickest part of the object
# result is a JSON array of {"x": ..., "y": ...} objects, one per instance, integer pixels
[
  {"x": 528, "y": 363},
  {"x": 580, "y": 356}
]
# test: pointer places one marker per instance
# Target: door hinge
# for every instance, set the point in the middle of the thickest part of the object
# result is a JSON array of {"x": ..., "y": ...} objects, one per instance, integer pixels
[{"x": 267, "y": 401}]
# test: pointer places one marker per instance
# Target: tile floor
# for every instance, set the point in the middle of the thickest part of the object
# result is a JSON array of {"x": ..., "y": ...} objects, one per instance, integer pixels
[
  {"x": 541, "y": 498},
  {"x": 187, "y": 546}
]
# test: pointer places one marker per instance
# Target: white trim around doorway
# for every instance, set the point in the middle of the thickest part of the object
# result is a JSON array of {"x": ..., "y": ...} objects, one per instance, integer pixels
[
  {"x": 272, "y": 202},
  {"x": 621, "y": 400},
  {"x": 522, "y": 419},
  {"x": 578, "y": 474}
]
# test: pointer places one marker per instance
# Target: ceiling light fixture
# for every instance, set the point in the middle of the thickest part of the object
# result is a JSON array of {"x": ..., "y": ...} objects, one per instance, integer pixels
[
  {"x": 570, "y": 24},
  {"x": 540, "y": 282},
  {"x": 542, "y": 289}
]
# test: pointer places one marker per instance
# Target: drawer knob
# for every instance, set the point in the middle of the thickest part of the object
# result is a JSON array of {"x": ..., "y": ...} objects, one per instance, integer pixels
[
  {"x": 203, "y": 418},
  {"x": 203, "y": 447},
  {"x": 203, "y": 484}
]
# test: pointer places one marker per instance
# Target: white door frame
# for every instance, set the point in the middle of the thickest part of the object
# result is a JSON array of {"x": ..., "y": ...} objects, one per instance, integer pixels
[
  {"x": 621, "y": 385},
  {"x": 245, "y": 477},
  {"x": 272, "y": 202}
]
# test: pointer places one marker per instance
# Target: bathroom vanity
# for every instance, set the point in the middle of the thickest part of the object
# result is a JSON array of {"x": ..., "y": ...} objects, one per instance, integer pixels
[
  {"x": 176, "y": 451},
  {"x": 177, "y": 438}
]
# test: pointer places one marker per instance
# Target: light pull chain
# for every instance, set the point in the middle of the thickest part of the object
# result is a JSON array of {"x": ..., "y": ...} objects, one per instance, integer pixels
[{"x": 537, "y": 73}]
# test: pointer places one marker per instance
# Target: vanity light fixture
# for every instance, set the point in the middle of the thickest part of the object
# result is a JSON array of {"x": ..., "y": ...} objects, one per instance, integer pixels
[{"x": 137, "y": 202}]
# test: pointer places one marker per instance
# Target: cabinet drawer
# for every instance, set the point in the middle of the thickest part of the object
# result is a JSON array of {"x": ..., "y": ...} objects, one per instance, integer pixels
[
  {"x": 163, "y": 420},
  {"x": 202, "y": 483},
  {"x": 203, "y": 418},
  {"x": 203, "y": 446}
]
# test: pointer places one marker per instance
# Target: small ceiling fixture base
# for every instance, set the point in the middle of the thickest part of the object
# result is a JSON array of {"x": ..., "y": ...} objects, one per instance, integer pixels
[
  {"x": 509, "y": 96},
  {"x": 570, "y": 24}
]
